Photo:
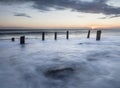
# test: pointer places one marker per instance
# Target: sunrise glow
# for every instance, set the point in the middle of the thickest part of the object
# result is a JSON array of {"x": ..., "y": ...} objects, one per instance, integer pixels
[{"x": 25, "y": 14}]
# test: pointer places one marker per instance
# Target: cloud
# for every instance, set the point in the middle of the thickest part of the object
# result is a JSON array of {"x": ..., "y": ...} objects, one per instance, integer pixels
[
  {"x": 94, "y": 6},
  {"x": 109, "y": 16},
  {"x": 22, "y": 15},
  {"x": 11, "y": 2}
]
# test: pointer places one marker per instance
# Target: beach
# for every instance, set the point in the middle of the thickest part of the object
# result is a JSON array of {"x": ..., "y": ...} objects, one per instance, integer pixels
[{"x": 74, "y": 63}]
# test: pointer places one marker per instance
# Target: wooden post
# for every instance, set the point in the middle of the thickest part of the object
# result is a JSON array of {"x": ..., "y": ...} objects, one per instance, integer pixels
[
  {"x": 22, "y": 40},
  {"x": 98, "y": 36},
  {"x": 12, "y": 39},
  {"x": 88, "y": 36},
  {"x": 55, "y": 35},
  {"x": 43, "y": 36},
  {"x": 67, "y": 35}
]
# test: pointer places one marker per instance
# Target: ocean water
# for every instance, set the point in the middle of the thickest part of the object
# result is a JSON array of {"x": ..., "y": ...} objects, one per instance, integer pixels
[{"x": 75, "y": 63}]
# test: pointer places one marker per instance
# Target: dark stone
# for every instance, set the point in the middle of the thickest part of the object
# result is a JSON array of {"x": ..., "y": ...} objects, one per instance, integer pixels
[
  {"x": 80, "y": 43},
  {"x": 13, "y": 39},
  {"x": 59, "y": 73}
]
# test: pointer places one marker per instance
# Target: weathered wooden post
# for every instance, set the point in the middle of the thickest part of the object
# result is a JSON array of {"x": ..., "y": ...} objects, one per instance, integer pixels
[
  {"x": 55, "y": 35},
  {"x": 67, "y": 35},
  {"x": 43, "y": 36},
  {"x": 22, "y": 40},
  {"x": 98, "y": 36},
  {"x": 12, "y": 39},
  {"x": 88, "y": 36}
]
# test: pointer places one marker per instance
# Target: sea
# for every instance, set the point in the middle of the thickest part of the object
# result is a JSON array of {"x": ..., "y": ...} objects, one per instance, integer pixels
[{"x": 77, "y": 62}]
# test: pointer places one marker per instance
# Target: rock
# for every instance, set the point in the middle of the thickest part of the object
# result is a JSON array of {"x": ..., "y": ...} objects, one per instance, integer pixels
[
  {"x": 59, "y": 73},
  {"x": 80, "y": 43}
]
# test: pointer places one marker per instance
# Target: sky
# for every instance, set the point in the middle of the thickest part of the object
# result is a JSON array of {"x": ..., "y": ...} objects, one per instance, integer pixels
[{"x": 59, "y": 14}]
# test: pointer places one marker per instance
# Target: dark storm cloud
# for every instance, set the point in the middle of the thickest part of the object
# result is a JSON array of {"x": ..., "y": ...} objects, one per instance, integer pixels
[
  {"x": 95, "y": 6},
  {"x": 22, "y": 15},
  {"x": 10, "y": 2}
]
